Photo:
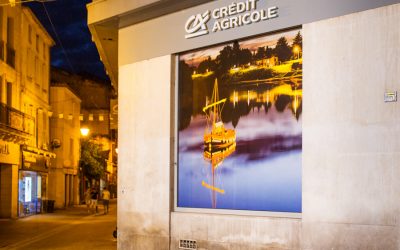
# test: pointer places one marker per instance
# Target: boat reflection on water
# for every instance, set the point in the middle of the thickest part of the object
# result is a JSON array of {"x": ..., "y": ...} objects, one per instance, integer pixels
[
  {"x": 219, "y": 142},
  {"x": 216, "y": 158}
]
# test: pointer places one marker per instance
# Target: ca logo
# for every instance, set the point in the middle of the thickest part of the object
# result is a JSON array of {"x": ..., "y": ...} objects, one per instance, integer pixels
[{"x": 196, "y": 25}]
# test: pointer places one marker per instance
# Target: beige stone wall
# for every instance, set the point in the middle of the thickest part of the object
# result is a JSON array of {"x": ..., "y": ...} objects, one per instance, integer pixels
[
  {"x": 67, "y": 130},
  {"x": 351, "y": 177},
  {"x": 27, "y": 81},
  {"x": 351, "y": 174},
  {"x": 9, "y": 191},
  {"x": 34, "y": 52},
  {"x": 144, "y": 155},
  {"x": 6, "y": 191}
]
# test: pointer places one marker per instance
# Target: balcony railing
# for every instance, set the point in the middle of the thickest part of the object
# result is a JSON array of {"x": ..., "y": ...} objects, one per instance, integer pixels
[
  {"x": 15, "y": 119},
  {"x": 11, "y": 56}
]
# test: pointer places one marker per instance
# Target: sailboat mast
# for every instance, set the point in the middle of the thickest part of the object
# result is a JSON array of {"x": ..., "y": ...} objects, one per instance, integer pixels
[{"x": 215, "y": 100}]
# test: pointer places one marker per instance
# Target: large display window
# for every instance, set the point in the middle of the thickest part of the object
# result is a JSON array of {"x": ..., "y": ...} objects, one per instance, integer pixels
[
  {"x": 239, "y": 125},
  {"x": 32, "y": 189}
]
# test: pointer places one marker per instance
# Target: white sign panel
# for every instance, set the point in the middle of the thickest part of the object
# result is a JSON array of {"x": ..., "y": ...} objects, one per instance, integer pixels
[
  {"x": 390, "y": 96},
  {"x": 231, "y": 16}
]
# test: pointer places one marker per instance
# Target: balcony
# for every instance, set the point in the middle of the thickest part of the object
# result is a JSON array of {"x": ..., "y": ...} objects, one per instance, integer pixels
[{"x": 14, "y": 125}]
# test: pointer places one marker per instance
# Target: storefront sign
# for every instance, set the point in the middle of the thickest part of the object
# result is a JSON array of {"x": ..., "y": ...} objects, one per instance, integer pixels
[
  {"x": 9, "y": 153},
  {"x": 35, "y": 162},
  {"x": 228, "y": 17}
]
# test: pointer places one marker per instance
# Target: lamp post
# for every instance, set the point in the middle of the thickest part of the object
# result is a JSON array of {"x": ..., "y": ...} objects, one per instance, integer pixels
[
  {"x": 296, "y": 50},
  {"x": 84, "y": 133}
]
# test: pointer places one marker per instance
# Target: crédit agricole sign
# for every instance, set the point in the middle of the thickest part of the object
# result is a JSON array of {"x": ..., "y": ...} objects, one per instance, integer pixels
[{"x": 231, "y": 16}]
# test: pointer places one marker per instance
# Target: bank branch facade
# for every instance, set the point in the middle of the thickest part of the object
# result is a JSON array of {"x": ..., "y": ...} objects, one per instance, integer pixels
[{"x": 255, "y": 124}]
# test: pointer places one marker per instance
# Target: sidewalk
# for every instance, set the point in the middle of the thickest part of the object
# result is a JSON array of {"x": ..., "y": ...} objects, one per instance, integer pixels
[{"x": 51, "y": 230}]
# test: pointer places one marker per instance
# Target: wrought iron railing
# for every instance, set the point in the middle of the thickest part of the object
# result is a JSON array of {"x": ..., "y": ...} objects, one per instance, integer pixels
[{"x": 15, "y": 119}]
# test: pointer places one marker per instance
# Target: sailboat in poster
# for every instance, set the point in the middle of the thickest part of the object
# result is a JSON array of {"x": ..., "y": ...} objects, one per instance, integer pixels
[{"x": 219, "y": 142}]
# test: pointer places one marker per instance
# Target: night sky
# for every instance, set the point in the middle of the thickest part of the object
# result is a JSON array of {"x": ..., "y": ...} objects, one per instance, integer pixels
[{"x": 69, "y": 18}]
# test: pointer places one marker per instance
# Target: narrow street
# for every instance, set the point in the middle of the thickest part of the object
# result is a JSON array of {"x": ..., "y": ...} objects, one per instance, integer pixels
[{"x": 73, "y": 228}]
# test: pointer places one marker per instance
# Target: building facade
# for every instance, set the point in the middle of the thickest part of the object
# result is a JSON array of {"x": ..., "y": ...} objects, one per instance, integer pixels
[
  {"x": 65, "y": 134},
  {"x": 24, "y": 77},
  {"x": 95, "y": 116},
  {"x": 324, "y": 159}
]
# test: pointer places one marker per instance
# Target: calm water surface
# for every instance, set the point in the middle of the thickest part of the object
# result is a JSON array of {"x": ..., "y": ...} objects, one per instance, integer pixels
[{"x": 264, "y": 171}]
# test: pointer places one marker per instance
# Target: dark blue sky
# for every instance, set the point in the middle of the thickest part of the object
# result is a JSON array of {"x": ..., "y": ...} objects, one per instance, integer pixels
[{"x": 69, "y": 18}]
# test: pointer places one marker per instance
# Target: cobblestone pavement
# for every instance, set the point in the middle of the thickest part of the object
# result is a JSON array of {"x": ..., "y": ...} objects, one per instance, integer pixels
[{"x": 72, "y": 228}]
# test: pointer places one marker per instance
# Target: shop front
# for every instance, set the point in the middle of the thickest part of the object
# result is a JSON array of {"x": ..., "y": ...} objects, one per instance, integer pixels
[
  {"x": 33, "y": 182},
  {"x": 32, "y": 191}
]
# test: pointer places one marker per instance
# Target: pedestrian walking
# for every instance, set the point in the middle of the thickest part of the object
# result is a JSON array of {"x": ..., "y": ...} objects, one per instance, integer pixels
[
  {"x": 94, "y": 196},
  {"x": 105, "y": 196},
  {"x": 87, "y": 199}
]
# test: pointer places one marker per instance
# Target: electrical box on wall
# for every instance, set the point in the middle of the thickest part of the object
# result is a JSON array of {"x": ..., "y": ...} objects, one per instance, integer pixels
[{"x": 390, "y": 96}]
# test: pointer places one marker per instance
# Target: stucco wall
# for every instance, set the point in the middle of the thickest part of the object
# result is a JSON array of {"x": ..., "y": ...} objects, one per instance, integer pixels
[
  {"x": 144, "y": 154},
  {"x": 351, "y": 174},
  {"x": 351, "y": 144}
]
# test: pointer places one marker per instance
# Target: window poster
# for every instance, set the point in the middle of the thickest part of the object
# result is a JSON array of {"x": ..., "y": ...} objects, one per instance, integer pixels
[
  {"x": 239, "y": 125},
  {"x": 39, "y": 186},
  {"x": 28, "y": 189}
]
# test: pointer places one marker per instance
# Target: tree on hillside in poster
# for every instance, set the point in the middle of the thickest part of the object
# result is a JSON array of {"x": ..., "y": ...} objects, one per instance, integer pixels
[
  {"x": 245, "y": 56},
  {"x": 282, "y": 50},
  {"x": 268, "y": 52},
  {"x": 232, "y": 56},
  {"x": 260, "y": 54},
  {"x": 240, "y": 56},
  {"x": 186, "y": 90},
  {"x": 263, "y": 52},
  {"x": 224, "y": 60},
  {"x": 236, "y": 53},
  {"x": 205, "y": 65},
  {"x": 298, "y": 40}
]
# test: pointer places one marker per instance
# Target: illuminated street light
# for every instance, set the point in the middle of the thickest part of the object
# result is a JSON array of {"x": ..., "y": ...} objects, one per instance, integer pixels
[
  {"x": 296, "y": 50},
  {"x": 84, "y": 131}
]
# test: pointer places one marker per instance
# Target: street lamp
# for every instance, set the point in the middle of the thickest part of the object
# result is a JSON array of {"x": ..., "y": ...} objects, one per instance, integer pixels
[
  {"x": 84, "y": 131},
  {"x": 296, "y": 50}
]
